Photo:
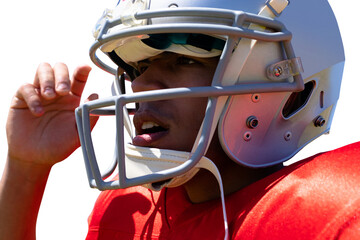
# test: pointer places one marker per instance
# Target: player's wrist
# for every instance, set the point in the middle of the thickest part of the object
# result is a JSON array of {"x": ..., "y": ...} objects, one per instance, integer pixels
[{"x": 25, "y": 171}]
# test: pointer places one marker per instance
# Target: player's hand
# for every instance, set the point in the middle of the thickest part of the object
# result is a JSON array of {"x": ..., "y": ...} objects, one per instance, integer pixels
[{"x": 41, "y": 126}]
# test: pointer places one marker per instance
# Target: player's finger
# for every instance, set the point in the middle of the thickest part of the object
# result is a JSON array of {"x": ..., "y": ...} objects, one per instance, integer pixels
[
  {"x": 27, "y": 96},
  {"x": 62, "y": 79},
  {"x": 45, "y": 80},
  {"x": 80, "y": 77}
]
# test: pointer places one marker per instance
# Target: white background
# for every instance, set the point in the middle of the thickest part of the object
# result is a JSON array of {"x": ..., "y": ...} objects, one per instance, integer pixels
[{"x": 60, "y": 31}]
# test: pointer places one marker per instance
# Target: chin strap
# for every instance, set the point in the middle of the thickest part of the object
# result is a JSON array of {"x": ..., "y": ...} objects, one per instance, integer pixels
[
  {"x": 274, "y": 8},
  {"x": 141, "y": 161},
  {"x": 210, "y": 166}
]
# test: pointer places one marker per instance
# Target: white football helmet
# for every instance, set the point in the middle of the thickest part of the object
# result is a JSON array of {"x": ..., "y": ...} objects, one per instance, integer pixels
[{"x": 274, "y": 90}]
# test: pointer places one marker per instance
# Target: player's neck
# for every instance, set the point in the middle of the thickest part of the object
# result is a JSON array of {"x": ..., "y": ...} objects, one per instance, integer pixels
[{"x": 204, "y": 186}]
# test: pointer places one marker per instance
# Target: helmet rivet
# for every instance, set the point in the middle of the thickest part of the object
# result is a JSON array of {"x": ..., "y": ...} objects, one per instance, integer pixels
[
  {"x": 287, "y": 136},
  {"x": 252, "y": 122},
  {"x": 277, "y": 71},
  {"x": 247, "y": 136},
  {"x": 255, "y": 98},
  {"x": 319, "y": 121}
]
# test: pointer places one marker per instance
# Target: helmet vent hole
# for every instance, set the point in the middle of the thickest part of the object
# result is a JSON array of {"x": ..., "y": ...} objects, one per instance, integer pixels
[
  {"x": 173, "y": 5},
  {"x": 298, "y": 100},
  {"x": 322, "y": 99}
]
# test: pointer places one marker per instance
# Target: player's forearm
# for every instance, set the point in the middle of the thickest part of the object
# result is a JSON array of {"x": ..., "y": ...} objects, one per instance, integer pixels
[{"x": 21, "y": 191}]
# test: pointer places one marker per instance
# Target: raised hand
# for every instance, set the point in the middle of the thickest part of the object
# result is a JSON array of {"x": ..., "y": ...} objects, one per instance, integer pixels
[
  {"x": 41, "y": 124},
  {"x": 41, "y": 131}
]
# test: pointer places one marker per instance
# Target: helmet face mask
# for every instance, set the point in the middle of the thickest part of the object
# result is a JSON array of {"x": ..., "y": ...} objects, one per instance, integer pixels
[{"x": 259, "y": 70}]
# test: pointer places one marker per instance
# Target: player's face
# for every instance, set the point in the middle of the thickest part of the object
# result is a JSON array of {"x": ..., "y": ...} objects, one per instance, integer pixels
[{"x": 171, "y": 124}]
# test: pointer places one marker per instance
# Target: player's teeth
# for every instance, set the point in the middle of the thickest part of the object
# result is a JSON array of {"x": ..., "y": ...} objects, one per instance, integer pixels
[{"x": 147, "y": 125}]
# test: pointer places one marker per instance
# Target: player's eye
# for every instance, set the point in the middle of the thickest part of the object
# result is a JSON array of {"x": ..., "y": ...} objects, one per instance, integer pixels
[
  {"x": 141, "y": 68},
  {"x": 183, "y": 60}
]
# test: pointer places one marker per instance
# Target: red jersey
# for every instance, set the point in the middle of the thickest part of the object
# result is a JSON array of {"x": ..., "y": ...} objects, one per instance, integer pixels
[{"x": 317, "y": 198}]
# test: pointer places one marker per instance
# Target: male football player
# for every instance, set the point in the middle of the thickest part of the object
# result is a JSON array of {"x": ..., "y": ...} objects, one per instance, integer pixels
[{"x": 225, "y": 92}]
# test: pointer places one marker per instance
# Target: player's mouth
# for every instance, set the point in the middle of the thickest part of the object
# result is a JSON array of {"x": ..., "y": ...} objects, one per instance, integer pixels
[{"x": 148, "y": 132}]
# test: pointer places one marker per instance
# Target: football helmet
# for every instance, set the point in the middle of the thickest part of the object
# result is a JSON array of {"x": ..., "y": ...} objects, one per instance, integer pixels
[{"x": 274, "y": 90}]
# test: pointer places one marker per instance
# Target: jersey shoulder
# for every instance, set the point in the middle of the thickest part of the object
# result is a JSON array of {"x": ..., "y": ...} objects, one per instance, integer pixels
[{"x": 317, "y": 198}]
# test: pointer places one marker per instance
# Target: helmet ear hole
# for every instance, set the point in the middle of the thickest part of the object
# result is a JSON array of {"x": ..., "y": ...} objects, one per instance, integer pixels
[{"x": 298, "y": 100}]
